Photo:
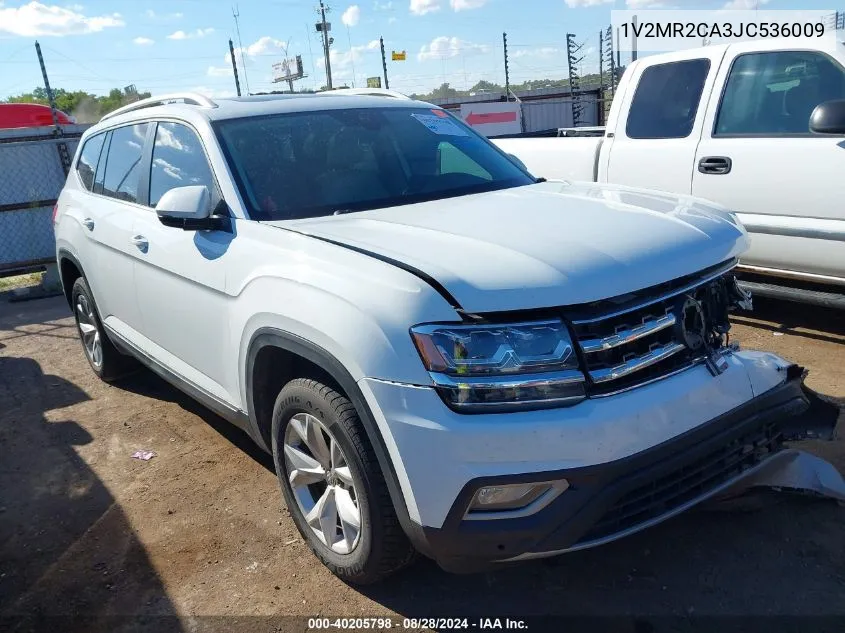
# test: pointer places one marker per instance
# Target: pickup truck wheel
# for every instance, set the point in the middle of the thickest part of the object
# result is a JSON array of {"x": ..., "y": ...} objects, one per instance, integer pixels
[
  {"x": 333, "y": 486},
  {"x": 106, "y": 361}
]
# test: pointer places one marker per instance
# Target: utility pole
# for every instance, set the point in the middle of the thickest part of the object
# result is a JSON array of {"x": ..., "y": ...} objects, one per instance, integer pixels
[
  {"x": 572, "y": 50},
  {"x": 601, "y": 78},
  {"x": 634, "y": 39},
  {"x": 324, "y": 27},
  {"x": 618, "y": 50},
  {"x": 507, "y": 71},
  {"x": 351, "y": 57},
  {"x": 64, "y": 154},
  {"x": 236, "y": 14},
  {"x": 384, "y": 63},
  {"x": 234, "y": 67},
  {"x": 601, "y": 62},
  {"x": 611, "y": 59}
]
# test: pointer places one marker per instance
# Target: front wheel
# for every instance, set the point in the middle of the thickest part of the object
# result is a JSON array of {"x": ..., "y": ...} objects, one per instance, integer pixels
[{"x": 333, "y": 485}]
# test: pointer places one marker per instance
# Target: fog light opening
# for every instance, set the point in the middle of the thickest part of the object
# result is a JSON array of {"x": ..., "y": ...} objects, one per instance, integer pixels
[{"x": 512, "y": 500}]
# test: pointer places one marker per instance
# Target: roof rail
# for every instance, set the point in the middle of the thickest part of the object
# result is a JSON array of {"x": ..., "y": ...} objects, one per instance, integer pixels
[
  {"x": 191, "y": 98},
  {"x": 371, "y": 92}
]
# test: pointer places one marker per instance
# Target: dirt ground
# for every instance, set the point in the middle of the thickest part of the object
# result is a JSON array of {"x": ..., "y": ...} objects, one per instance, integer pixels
[{"x": 200, "y": 530}]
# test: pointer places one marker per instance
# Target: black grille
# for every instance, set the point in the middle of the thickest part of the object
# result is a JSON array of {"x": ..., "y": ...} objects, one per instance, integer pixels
[
  {"x": 618, "y": 355},
  {"x": 670, "y": 491},
  {"x": 590, "y": 328}
]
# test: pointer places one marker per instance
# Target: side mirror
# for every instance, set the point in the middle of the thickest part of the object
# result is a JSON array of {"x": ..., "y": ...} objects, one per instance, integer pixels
[
  {"x": 829, "y": 117},
  {"x": 188, "y": 208}
]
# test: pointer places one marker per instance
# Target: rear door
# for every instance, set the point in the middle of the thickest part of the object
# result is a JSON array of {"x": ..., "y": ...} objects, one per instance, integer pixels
[
  {"x": 785, "y": 182},
  {"x": 109, "y": 218},
  {"x": 655, "y": 140},
  {"x": 180, "y": 275}
]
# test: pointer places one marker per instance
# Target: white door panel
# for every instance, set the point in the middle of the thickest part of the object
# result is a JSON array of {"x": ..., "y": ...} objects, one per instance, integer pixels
[
  {"x": 660, "y": 155},
  {"x": 180, "y": 281},
  {"x": 785, "y": 184},
  {"x": 787, "y": 253},
  {"x": 180, "y": 276},
  {"x": 114, "y": 271},
  {"x": 777, "y": 176}
]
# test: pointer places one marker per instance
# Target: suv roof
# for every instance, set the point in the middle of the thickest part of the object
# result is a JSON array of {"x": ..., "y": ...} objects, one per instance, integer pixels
[{"x": 258, "y": 105}]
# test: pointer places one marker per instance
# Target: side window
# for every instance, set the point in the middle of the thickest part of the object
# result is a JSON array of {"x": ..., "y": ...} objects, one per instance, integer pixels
[
  {"x": 775, "y": 93},
  {"x": 452, "y": 160},
  {"x": 86, "y": 166},
  {"x": 123, "y": 169},
  {"x": 101, "y": 166},
  {"x": 666, "y": 100},
  {"x": 179, "y": 161}
]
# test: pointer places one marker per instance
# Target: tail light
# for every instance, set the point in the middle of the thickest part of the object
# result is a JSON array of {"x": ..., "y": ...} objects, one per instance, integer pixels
[{"x": 55, "y": 212}]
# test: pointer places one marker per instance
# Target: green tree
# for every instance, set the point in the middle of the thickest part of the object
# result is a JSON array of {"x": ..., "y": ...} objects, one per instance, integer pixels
[{"x": 86, "y": 107}]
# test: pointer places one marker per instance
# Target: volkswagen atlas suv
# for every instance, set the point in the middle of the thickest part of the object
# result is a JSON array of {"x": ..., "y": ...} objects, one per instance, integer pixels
[{"x": 442, "y": 352}]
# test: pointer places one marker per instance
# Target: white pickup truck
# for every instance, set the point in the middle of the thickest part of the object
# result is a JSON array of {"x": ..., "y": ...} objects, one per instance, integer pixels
[{"x": 732, "y": 124}]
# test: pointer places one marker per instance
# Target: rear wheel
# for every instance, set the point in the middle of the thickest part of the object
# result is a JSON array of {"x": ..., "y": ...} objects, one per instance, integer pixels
[
  {"x": 106, "y": 361},
  {"x": 333, "y": 486}
]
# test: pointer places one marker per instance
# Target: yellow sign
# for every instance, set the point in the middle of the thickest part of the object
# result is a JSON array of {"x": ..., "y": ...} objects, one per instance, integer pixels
[
  {"x": 373, "y": 82},
  {"x": 398, "y": 56}
]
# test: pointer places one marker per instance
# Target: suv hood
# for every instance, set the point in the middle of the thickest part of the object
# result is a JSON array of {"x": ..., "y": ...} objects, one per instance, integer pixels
[{"x": 544, "y": 245}]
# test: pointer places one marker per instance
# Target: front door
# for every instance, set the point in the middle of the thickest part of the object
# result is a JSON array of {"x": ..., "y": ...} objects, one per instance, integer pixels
[
  {"x": 785, "y": 183},
  {"x": 180, "y": 275}
]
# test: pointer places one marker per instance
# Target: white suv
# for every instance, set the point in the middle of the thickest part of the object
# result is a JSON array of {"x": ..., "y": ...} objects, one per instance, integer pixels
[{"x": 443, "y": 353}]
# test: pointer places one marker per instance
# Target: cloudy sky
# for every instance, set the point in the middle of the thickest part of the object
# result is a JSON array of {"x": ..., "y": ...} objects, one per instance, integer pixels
[{"x": 168, "y": 45}]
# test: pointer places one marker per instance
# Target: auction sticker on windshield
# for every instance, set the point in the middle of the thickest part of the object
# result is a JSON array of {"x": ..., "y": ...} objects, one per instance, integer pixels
[{"x": 439, "y": 125}]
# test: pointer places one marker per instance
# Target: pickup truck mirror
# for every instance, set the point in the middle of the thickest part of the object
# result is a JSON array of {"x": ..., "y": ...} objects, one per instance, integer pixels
[
  {"x": 829, "y": 117},
  {"x": 188, "y": 208}
]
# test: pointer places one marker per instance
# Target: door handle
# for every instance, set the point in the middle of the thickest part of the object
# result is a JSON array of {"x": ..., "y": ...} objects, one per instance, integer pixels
[
  {"x": 715, "y": 165},
  {"x": 88, "y": 223},
  {"x": 141, "y": 242}
]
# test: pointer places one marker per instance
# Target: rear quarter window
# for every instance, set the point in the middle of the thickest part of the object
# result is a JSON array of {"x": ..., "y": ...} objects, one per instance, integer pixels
[
  {"x": 666, "y": 100},
  {"x": 86, "y": 166}
]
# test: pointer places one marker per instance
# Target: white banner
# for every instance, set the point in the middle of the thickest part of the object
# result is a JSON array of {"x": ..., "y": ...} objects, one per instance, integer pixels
[{"x": 661, "y": 30}]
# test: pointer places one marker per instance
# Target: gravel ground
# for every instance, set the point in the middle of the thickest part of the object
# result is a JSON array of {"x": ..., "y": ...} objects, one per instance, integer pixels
[{"x": 200, "y": 530}]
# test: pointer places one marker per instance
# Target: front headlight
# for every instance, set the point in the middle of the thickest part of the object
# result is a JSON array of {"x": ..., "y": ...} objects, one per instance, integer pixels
[{"x": 501, "y": 367}]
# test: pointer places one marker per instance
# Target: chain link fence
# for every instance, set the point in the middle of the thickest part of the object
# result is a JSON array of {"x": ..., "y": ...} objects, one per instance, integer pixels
[{"x": 33, "y": 174}]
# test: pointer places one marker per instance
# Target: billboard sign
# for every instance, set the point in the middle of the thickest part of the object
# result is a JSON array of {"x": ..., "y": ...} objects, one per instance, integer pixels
[
  {"x": 398, "y": 56},
  {"x": 373, "y": 82},
  {"x": 288, "y": 69}
]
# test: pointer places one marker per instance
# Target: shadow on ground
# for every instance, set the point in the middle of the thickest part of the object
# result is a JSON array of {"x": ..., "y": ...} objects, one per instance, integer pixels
[{"x": 65, "y": 545}]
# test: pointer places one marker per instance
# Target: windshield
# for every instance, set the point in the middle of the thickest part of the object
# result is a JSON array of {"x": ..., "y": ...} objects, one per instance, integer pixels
[{"x": 308, "y": 164}]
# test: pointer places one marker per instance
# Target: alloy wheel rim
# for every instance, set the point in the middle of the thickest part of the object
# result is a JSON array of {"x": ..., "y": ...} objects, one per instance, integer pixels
[
  {"x": 88, "y": 330},
  {"x": 322, "y": 483}
]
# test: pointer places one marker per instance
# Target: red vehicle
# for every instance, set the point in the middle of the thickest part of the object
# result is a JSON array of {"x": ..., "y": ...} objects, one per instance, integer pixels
[{"x": 30, "y": 115}]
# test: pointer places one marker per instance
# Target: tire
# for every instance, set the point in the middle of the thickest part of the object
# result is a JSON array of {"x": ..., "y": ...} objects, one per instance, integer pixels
[
  {"x": 303, "y": 408},
  {"x": 103, "y": 357}
]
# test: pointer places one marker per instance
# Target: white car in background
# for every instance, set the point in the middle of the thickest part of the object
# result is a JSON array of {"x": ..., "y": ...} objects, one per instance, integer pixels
[{"x": 442, "y": 353}]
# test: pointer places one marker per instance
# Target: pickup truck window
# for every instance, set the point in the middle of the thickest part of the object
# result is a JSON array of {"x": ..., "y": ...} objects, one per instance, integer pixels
[
  {"x": 309, "y": 164},
  {"x": 666, "y": 100},
  {"x": 775, "y": 93}
]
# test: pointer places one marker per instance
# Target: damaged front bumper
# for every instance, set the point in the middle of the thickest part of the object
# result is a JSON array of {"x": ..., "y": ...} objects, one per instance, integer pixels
[{"x": 743, "y": 448}]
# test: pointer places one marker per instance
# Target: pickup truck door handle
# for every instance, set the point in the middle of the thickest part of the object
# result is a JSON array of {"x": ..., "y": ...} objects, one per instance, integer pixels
[
  {"x": 88, "y": 223},
  {"x": 141, "y": 242},
  {"x": 715, "y": 165}
]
